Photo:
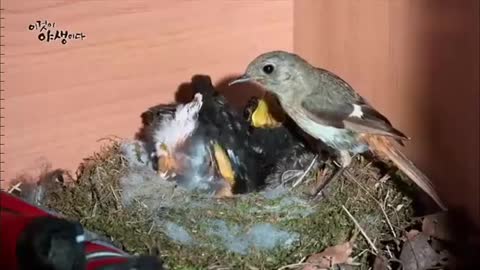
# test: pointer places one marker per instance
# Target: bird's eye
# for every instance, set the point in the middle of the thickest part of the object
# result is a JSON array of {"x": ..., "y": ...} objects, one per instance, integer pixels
[{"x": 268, "y": 69}]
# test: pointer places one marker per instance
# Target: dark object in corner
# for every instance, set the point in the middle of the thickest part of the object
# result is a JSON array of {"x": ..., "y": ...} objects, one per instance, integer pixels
[
  {"x": 51, "y": 243},
  {"x": 31, "y": 238}
]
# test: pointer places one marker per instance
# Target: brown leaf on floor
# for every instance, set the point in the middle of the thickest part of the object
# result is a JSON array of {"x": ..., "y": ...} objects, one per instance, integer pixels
[
  {"x": 380, "y": 263},
  {"x": 331, "y": 256},
  {"x": 410, "y": 235},
  {"x": 418, "y": 254},
  {"x": 436, "y": 225}
]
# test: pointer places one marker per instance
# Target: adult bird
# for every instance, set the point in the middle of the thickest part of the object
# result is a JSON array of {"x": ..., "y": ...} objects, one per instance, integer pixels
[{"x": 329, "y": 109}]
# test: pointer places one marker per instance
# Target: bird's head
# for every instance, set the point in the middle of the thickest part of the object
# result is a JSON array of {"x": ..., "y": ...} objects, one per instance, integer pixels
[{"x": 275, "y": 71}]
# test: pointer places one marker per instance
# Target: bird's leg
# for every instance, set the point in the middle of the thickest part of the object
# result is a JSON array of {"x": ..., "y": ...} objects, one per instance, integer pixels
[{"x": 345, "y": 160}]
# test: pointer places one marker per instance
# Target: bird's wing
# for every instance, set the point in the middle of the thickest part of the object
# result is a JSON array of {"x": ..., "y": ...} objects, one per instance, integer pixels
[{"x": 358, "y": 116}]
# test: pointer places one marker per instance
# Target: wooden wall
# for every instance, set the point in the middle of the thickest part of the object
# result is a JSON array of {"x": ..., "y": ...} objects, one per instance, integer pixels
[
  {"x": 60, "y": 99},
  {"x": 416, "y": 61}
]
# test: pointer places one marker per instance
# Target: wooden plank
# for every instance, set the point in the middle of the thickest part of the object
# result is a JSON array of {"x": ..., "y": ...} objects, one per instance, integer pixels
[{"x": 61, "y": 98}]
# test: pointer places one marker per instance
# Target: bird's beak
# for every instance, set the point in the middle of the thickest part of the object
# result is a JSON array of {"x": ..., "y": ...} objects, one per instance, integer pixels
[{"x": 242, "y": 79}]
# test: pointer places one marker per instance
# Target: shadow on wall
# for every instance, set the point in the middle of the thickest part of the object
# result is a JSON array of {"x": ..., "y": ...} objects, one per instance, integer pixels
[
  {"x": 237, "y": 95},
  {"x": 452, "y": 105}
]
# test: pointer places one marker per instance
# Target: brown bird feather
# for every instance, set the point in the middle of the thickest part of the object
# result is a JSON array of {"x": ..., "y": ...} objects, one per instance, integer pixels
[{"x": 385, "y": 149}]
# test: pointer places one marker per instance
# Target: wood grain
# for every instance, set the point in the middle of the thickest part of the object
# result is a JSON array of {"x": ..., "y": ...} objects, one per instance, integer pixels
[{"x": 60, "y": 99}]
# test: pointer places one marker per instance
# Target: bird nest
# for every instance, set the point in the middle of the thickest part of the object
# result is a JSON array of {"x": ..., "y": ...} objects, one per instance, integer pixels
[
  {"x": 268, "y": 229},
  {"x": 118, "y": 194}
]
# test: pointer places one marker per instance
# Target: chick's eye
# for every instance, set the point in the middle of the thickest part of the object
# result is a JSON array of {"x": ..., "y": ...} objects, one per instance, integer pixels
[{"x": 268, "y": 69}]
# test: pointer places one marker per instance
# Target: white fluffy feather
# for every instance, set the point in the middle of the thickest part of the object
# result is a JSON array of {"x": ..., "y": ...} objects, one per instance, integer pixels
[{"x": 174, "y": 131}]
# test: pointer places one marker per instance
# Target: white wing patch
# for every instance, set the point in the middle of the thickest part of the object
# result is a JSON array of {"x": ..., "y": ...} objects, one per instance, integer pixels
[{"x": 357, "y": 111}]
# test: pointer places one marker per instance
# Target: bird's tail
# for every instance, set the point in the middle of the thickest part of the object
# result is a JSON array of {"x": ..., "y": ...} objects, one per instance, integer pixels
[{"x": 384, "y": 148}]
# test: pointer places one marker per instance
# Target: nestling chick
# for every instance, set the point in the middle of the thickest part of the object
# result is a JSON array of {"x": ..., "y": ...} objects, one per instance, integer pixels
[{"x": 282, "y": 148}]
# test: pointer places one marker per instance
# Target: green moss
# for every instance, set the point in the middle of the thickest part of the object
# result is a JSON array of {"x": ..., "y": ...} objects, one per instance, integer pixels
[{"x": 94, "y": 199}]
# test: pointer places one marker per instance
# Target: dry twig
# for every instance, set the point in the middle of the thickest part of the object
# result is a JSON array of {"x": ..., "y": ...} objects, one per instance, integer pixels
[
  {"x": 15, "y": 187},
  {"x": 361, "y": 229},
  {"x": 300, "y": 179},
  {"x": 382, "y": 208}
]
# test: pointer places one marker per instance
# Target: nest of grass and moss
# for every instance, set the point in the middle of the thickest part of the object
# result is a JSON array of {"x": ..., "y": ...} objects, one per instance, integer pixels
[{"x": 259, "y": 230}]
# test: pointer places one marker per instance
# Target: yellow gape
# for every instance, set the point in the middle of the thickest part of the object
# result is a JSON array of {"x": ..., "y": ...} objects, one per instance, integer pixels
[
  {"x": 223, "y": 163},
  {"x": 262, "y": 118}
]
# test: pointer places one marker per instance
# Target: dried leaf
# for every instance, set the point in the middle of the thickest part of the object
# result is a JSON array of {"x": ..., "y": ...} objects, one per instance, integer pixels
[
  {"x": 418, "y": 254},
  {"x": 410, "y": 235},
  {"x": 338, "y": 254},
  {"x": 436, "y": 225},
  {"x": 380, "y": 263}
]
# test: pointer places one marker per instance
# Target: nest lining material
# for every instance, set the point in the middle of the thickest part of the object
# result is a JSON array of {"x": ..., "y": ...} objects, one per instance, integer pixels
[{"x": 116, "y": 195}]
